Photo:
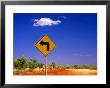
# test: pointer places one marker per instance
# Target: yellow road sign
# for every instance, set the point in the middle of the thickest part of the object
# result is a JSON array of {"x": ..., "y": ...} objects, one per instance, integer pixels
[{"x": 45, "y": 45}]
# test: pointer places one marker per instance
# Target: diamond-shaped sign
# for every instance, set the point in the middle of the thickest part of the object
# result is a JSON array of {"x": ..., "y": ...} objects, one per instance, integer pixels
[{"x": 45, "y": 45}]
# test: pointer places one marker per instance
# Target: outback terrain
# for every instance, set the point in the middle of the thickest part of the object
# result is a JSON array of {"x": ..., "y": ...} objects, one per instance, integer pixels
[{"x": 22, "y": 66}]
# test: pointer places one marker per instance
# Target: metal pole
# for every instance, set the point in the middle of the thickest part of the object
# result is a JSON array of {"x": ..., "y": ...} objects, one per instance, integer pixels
[{"x": 45, "y": 66}]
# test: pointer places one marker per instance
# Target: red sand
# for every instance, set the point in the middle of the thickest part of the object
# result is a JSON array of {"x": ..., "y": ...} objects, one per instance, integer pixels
[{"x": 60, "y": 71}]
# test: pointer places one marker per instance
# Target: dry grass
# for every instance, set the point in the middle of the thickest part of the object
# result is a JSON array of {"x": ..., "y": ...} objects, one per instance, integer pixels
[{"x": 55, "y": 71}]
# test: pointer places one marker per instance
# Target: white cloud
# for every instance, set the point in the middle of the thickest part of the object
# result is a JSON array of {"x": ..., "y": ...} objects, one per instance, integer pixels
[{"x": 45, "y": 22}]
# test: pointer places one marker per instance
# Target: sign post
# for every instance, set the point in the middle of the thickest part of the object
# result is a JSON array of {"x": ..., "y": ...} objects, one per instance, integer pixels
[
  {"x": 45, "y": 45},
  {"x": 46, "y": 66}
]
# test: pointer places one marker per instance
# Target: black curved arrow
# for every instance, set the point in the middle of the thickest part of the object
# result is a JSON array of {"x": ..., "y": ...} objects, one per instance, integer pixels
[{"x": 45, "y": 43}]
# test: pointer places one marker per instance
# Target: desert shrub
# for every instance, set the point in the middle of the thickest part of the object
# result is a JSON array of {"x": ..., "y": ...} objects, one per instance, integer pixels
[
  {"x": 32, "y": 64},
  {"x": 59, "y": 66},
  {"x": 85, "y": 67},
  {"x": 20, "y": 62},
  {"x": 53, "y": 65},
  {"x": 93, "y": 67},
  {"x": 30, "y": 70},
  {"x": 66, "y": 66},
  {"x": 77, "y": 66},
  {"x": 24, "y": 63},
  {"x": 40, "y": 65}
]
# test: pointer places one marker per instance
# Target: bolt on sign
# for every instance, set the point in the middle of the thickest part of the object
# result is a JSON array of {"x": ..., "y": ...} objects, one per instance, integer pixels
[{"x": 45, "y": 45}]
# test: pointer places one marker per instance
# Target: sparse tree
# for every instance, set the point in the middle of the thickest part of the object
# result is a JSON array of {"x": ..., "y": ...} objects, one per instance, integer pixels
[
  {"x": 20, "y": 62},
  {"x": 77, "y": 66},
  {"x": 66, "y": 66},
  {"x": 40, "y": 65},
  {"x": 53, "y": 65},
  {"x": 32, "y": 63}
]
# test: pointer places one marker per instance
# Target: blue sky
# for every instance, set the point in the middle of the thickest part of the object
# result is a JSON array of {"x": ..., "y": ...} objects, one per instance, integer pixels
[{"x": 75, "y": 35}]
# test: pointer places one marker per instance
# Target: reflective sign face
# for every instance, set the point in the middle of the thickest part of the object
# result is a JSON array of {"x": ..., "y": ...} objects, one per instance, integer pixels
[{"x": 45, "y": 45}]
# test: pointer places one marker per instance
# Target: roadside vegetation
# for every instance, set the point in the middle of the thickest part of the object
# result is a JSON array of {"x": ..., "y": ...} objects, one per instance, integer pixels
[{"x": 24, "y": 64}]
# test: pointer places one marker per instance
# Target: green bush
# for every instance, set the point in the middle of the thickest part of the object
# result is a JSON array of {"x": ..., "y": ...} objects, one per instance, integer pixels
[
  {"x": 32, "y": 64},
  {"x": 85, "y": 67},
  {"x": 77, "y": 66},
  {"x": 53, "y": 65},
  {"x": 66, "y": 66},
  {"x": 40, "y": 65},
  {"x": 93, "y": 67},
  {"x": 20, "y": 62},
  {"x": 24, "y": 63}
]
